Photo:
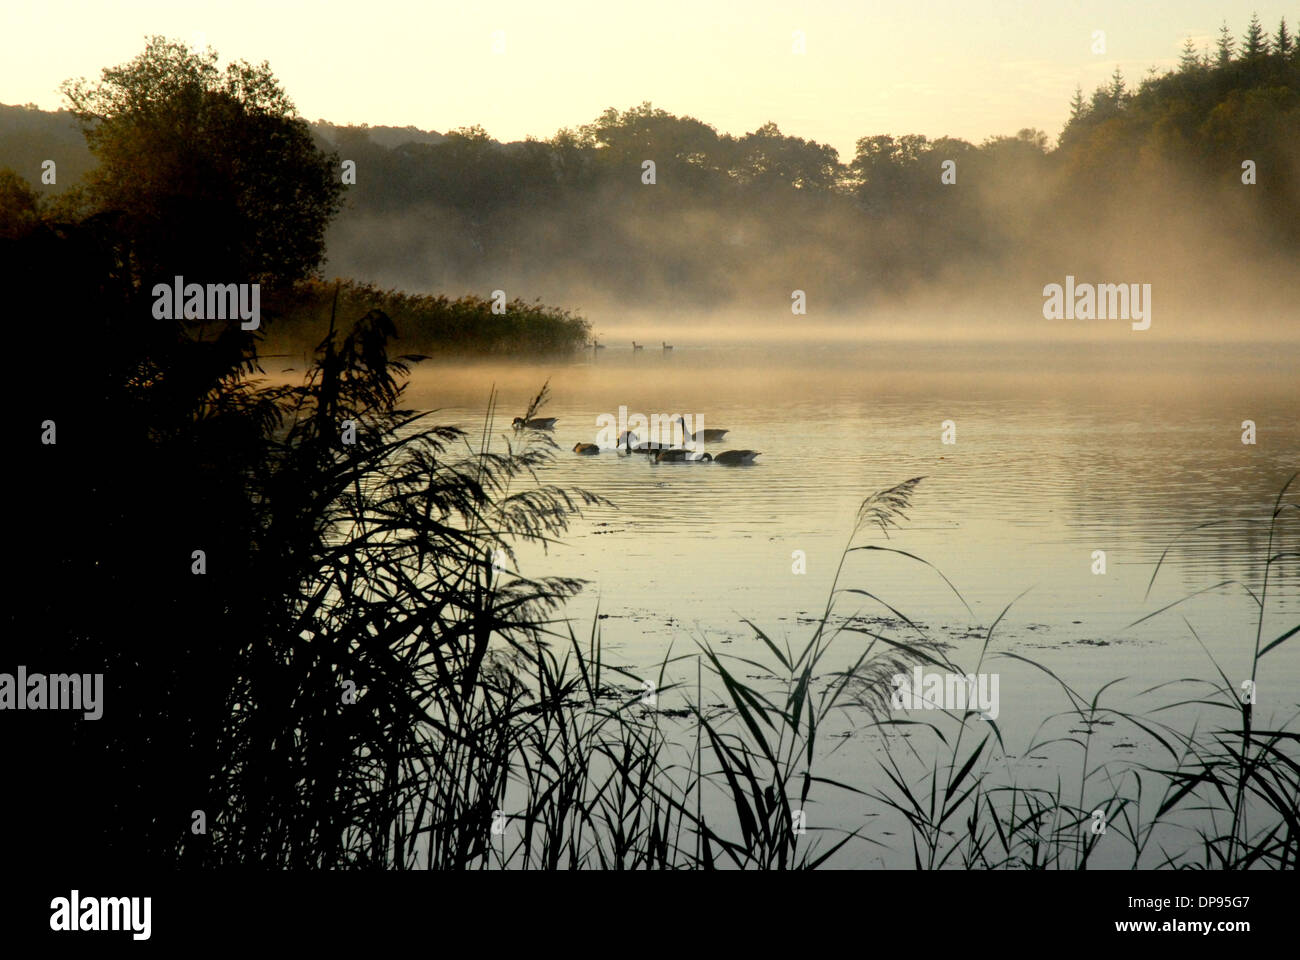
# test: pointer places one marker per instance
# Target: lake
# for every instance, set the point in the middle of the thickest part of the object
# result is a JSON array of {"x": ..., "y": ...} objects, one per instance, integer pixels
[{"x": 1060, "y": 450}]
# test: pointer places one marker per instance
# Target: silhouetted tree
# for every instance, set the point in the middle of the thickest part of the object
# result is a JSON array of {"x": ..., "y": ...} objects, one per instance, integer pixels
[
  {"x": 1256, "y": 40},
  {"x": 1282, "y": 41},
  {"x": 768, "y": 157},
  {"x": 1226, "y": 46},
  {"x": 1116, "y": 89},
  {"x": 214, "y": 173},
  {"x": 18, "y": 206},
  {"x": 1078, "y": 106}
]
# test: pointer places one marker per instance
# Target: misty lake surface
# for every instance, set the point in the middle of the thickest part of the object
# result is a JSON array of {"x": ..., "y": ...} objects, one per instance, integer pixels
[{"x": 1061, "y": 450}]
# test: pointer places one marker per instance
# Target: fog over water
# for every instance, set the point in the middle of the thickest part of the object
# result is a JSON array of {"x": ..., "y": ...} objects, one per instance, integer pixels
[{"x": 1058, "y": 453}]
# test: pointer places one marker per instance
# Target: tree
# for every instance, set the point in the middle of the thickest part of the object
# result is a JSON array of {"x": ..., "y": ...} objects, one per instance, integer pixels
[
  {"x": 1188, "y": 61},
  {"x": 473, "y": 133},
  {"x": 1078, "y": 106},
  {"x": 214, "y": 173},
  {"x": 647, "y": 132},
  {"x": 767, "y": 156},
  {"x": 1116, "y": 89},
  {"x": 1080, "y": 114},
  {"x": 1256, "y": 40},
  {"x": 1282, "y": 41},
  {"x": 887, "y": 170},
  {"x": 1107, "y": 98},
  {"x": 1034, "y": 137},
  {"x": 19, "y": 206},
  {"x": 1226, "y": 46}
]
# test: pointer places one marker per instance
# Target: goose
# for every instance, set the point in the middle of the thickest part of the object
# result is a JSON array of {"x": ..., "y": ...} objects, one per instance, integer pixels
[
  {"x": 597, "y": 345},
  {"x": 629, "y": 440},
  {"x": 586, "y": 449},
  {"x": 536, "y": 423},
  {"x": 637, "y": 346},
  {"x": 682, "y": 456},
  {"x": 665, "y": 345},
  {"x": 648, "y": 448},
  {"x": 702, "y": 436},
  {"x": 736, "y": 458}
]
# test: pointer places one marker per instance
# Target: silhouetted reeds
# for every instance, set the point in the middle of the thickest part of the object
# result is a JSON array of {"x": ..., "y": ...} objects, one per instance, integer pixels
[
  {"x": 586, "y": 776},
  {"x": 1212, "y": 784}
]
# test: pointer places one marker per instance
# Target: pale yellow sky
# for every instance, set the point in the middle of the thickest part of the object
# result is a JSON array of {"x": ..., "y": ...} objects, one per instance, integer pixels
[{"x": 965, "y": 68}]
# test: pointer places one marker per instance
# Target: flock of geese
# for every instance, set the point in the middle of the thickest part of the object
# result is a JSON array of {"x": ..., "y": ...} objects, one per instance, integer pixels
[
  {"x": 629, "y": 444},
  {"x": 636, "y": 347}
]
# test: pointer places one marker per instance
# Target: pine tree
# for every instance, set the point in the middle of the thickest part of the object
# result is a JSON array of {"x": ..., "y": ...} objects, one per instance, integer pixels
[
  {"x": 1101, "y": 105},
  {"x": 1226, "y": 45},
  {"x": 1282, "y": 41},
  {"x": 1078, "y": 106},
  {"x": 1256, "y": 40},
  {"x": 1188, "y": 61},
  {"x": 1116, "y": 89}
]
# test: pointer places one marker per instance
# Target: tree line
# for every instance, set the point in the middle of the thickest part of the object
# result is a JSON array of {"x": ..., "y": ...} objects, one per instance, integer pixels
[{"x": 741, "y": 220}]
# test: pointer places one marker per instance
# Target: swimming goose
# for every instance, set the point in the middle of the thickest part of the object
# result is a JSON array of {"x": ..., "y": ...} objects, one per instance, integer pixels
[
  {"x": 666, "y": 346},
  {"x": 682, "y": 456},
  {"x": 736, "y": 458},
  {"x": 586, "y": 449},
  {"x": 537, "y": 423},
  {"x": 648, "y": 448},
  {"x": 702, "y": 436},
  {"x": 637, "y": 346}
]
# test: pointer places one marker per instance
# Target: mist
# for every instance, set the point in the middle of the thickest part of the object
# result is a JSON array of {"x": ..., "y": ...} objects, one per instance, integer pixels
[{"x": 1146, "y": 187}]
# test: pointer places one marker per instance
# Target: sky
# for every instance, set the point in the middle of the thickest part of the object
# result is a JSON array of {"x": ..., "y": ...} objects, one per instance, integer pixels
[{"x": 963, "y": 68}]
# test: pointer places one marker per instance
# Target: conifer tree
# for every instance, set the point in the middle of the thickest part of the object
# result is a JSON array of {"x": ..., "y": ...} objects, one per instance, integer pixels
[
  {"x": 1282, "y": 40},
  {"x": 1226, "y": 46},
  {"x": 1116, "y": 89},
  {"x": 1078, "y": 106},
  {"x": 1256, "y": 40}
]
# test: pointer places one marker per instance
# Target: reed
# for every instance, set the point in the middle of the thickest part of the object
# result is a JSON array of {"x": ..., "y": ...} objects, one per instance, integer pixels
[
  {"x": 430, "y": 325},
  {"x": 607, "y": 787},
  {"x": 1214, "y": 783}
]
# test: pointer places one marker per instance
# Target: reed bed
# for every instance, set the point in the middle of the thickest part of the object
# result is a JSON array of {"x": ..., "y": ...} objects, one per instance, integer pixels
[{"x": 432, "y": 325}]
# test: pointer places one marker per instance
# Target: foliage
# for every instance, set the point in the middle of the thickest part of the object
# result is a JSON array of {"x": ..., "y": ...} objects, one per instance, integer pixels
[
  {"x": 427, "y": 325},
  {"x": 215, "y": 174}
]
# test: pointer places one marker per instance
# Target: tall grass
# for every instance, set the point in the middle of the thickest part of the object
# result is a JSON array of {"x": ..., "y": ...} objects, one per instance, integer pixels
[
  {"x": 382, "y": 690},
  {"x": 590, "y": 778},
  {"x": 431, "y": 325},
  {"x": 1212, "y": 784}
]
